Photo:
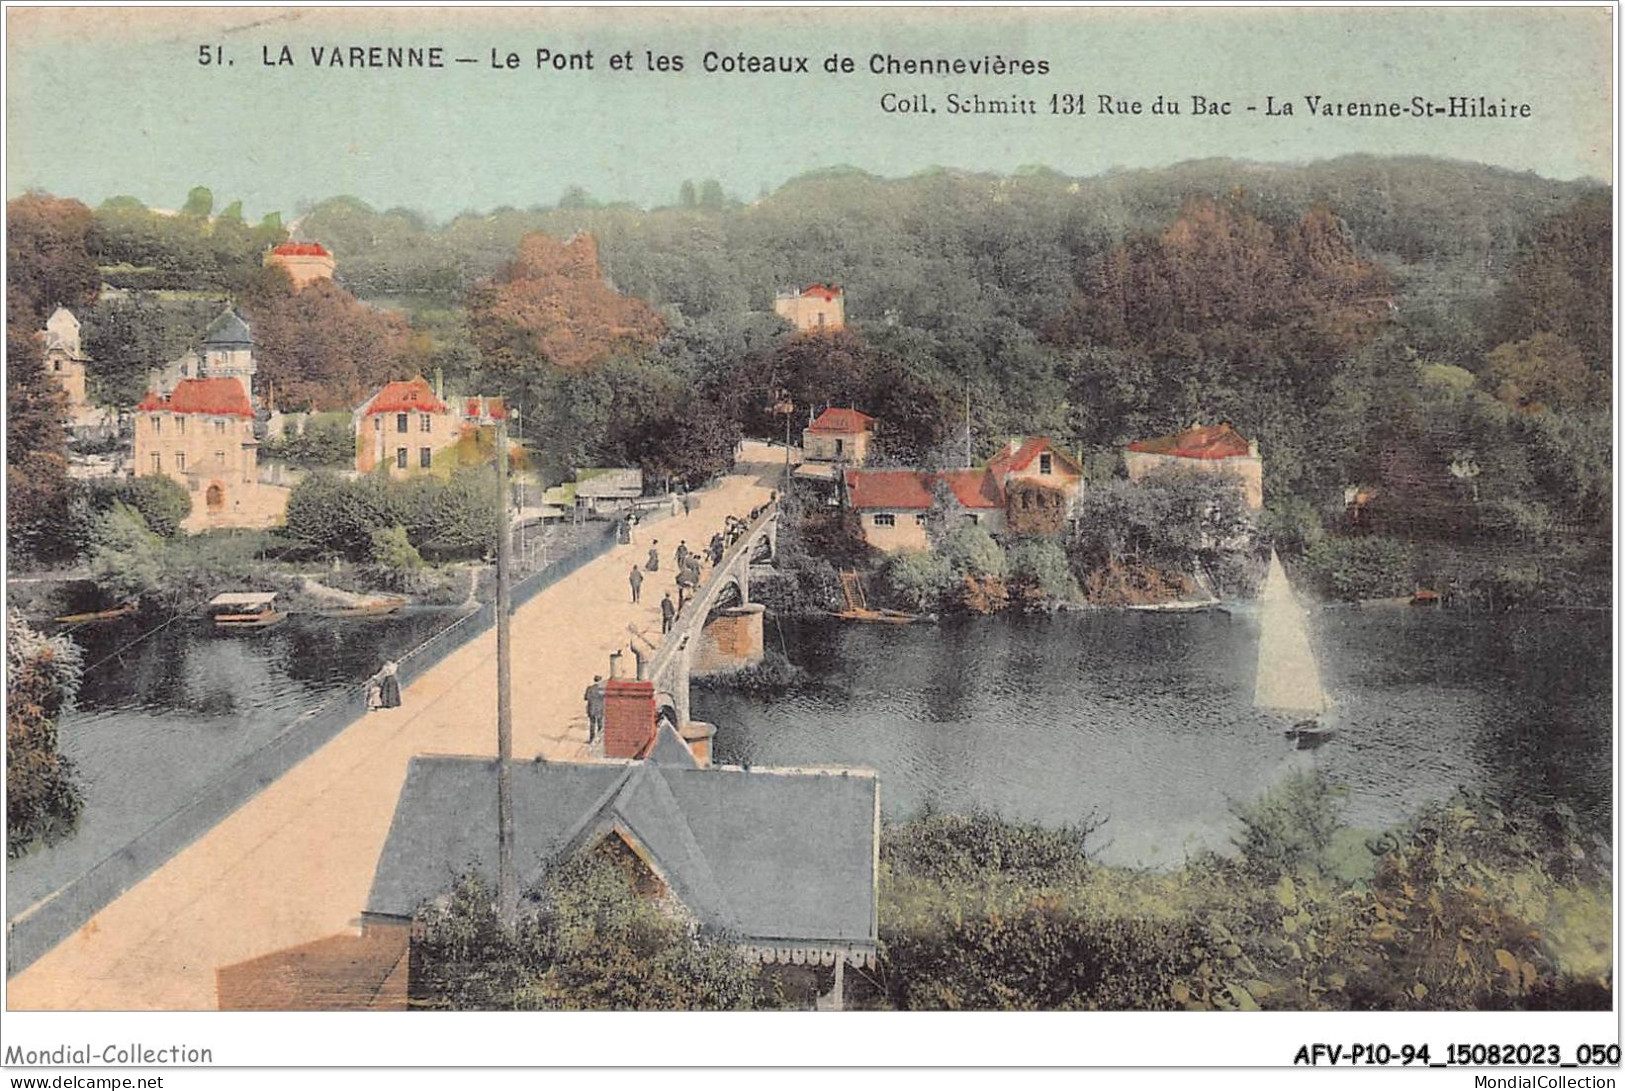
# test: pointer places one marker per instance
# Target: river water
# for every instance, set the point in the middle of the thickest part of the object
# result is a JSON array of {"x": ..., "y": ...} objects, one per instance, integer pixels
[
  {"x": 160, "y": 717},
  {"x": 1146, "y": 720}
]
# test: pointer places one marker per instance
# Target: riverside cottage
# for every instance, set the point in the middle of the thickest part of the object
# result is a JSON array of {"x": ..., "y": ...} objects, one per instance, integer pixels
[
  {"x": 817, "y": 308},
  {"x": 1215, "y": 448},
  {"x": 407, "y": 428},
  {"x": 893, "y": 506}
]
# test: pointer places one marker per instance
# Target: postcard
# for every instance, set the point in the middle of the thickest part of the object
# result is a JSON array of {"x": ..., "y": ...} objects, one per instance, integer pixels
[{"x": 797, "y": 509}]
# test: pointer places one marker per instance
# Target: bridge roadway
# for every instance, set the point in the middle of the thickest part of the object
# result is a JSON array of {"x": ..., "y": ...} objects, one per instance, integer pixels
[{"x": 294, "y": 863}]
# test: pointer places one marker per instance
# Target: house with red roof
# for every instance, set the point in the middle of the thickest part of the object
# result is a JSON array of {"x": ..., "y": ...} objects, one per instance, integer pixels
[
  {"x": 201, "y": 434},
  {"x": 894, "y": 506},
  {"x": 838, "y": 435},
  {"x": 406, "y": 427},
  {"x": 304, "y": 261},
  {"x": 1210, "y": 448},
  {"x": 817, "y": 308},
  {"x": 1042, "y": 484}
]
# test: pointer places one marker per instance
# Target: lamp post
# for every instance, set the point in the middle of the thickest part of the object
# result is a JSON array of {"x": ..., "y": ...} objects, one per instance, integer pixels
[
  {"x": 507, "y": 892},
  {"x": 788, "y": 408}
]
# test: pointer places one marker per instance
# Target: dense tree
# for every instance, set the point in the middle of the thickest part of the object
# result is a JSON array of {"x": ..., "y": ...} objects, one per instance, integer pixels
[
  {"x": 127, "y": 336},
  {"x": 39, "y": 493},
  {"x": 1564, "y": 284},
  {"x": 321, "y": 348},
  {"x": 551, "y": 304},
  {"x": 48, "y": 262},
  {"x": 42, "y": 674}
]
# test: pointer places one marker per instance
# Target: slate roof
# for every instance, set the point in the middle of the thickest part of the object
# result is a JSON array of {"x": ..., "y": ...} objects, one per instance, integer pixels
[
  {"x": 911, "y": 489},
  {"x": 771, "y": 856},
  {"x": 229, "y": 331},
  {"x": 1210, "y": 441},
  {"x": 841, "y": 422},
  {"x": 219, "y": 397}
]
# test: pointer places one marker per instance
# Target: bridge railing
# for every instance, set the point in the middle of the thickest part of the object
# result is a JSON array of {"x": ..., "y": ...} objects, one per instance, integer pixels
[{"x": 672, "y": 641}]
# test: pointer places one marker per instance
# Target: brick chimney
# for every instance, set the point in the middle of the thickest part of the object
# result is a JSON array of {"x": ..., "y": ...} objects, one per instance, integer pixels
[{"x": 629, "y": 718}]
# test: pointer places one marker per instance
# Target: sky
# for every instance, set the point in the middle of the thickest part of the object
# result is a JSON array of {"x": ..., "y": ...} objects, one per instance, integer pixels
[{"x": 105, "y": 102}]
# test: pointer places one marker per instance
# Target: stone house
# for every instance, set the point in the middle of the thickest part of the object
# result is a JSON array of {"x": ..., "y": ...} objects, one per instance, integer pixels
[
  {"x": 817, "y": 308},
  {"x": 1042, "y": 484},
  {"x": 407, "y": 428},
  {"x": 838, "y": 435},
  {"x": 1215, "y": 448},
  {"x": 894, "y": 506},
  {"x": 201, "y": 433},
  {"x": 65, "y": 357},
  {"x": 304, "y": 261}
]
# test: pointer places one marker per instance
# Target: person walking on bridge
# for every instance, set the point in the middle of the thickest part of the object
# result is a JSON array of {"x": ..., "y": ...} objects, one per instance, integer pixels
[
  {"x": 668, "y": 613},
  {"x": 682, "y": 554},
  {"x": 653, "y": 564},
  {"x": 636, "y": 580},
  {"x": 715, "y": 549}
]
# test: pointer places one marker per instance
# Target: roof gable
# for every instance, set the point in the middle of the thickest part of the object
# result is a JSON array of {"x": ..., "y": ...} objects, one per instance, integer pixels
[
  {"x": 765, "y": 855},
  {"x": 408, "y": 396},
  {"x": 841, "y": 421},
  {"x": 1019, "y": 456},
  {"x": 1209, "y": 441}
]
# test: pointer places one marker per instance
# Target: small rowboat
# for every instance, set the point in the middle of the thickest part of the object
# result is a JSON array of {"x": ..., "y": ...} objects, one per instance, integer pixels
[
  {"x": 98, "y": 615},
  {"x": 883, "y": 617},
  {"x": 245, "y": 610},
  {"x": 368, "y": 608}
]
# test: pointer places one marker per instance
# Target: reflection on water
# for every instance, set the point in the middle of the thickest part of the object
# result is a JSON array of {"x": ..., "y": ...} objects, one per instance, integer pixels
[
  {"x": 158, "y": 720},
  {"x": 1147, "y": 719}
]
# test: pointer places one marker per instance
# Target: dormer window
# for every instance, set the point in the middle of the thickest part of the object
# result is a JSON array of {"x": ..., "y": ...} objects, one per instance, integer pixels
[{"x": 1045, "y": 464}]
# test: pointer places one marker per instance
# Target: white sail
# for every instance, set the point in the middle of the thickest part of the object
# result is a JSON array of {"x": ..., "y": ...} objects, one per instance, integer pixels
[{"x": 1288, "y": 676}]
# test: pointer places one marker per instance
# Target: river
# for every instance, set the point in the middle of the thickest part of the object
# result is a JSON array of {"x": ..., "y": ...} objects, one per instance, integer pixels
[
  {"x": 1146, "y": 720},
  {"x": 160, "y": 717}
]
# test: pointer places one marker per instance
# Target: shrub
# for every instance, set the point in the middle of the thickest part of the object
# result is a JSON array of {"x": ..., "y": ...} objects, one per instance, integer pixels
[
  {"x": 1290, "y": 828},
  {"x": 587, "y": 941},
  {"x": 971, "y": 551},
  {"x": 391, "y": 549},
  {"x": 42, "y": 674},
  {"x": 1355, "y": 568},
  {"x": 162, "y": 501},
  {"x": 126, "y": 559},
  {"x": 1039, "y": 571},
  {"x": 916, "y": 581}
]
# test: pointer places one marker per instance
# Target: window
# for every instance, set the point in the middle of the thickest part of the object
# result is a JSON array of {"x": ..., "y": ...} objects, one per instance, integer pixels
[
  {"x": 219, "y": 427},
  {"x": 425, "y": 456},
  {"x": 972, "y": 518},
  {"x": 157, "y": 425},
  {"x": 400, "y": 422},
  {"x": 840, "y": 447},
  {"x": 180, "y": 426},
  {"x": 425, "y": 423},
  {"x": 921, "y": 519},
  {"x": 885, "y": 519},
  {"x": 220, "y": 458},
  {"x": 157, "y": 463},
  {"x": 1045, "y": 464},
  {"x": 180, "y": 460},
  {"x": 400, "y": 458},
  {"x": 378, "y": 424}
]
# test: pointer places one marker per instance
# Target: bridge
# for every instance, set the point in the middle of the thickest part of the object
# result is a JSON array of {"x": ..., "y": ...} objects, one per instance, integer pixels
[{"x": 719, "y": 628}]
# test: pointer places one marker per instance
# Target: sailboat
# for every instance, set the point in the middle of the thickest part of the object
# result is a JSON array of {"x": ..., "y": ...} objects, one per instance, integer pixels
[{"x": 1288, "y": 683}]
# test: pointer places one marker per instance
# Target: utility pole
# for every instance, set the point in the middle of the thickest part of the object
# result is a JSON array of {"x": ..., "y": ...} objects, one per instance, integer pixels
[
  {"x": 507, "y": 892},
  {"x": 967, "y": 424}
]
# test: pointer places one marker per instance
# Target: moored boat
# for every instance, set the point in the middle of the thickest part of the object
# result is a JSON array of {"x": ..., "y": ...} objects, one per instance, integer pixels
[
  {"x": 113, "y": 614},
  {"x": 245, "y": 610},
  {"x": 377, "y": 607}
]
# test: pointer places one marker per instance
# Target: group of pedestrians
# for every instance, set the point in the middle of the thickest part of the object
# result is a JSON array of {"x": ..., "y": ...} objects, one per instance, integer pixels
[
  {"x": 689, "y": 577},
  {"x": 689, "y": 565}
]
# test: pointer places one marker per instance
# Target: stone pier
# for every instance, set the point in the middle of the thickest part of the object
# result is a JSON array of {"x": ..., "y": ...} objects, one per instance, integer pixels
[{"x": 731, "y": 640}]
